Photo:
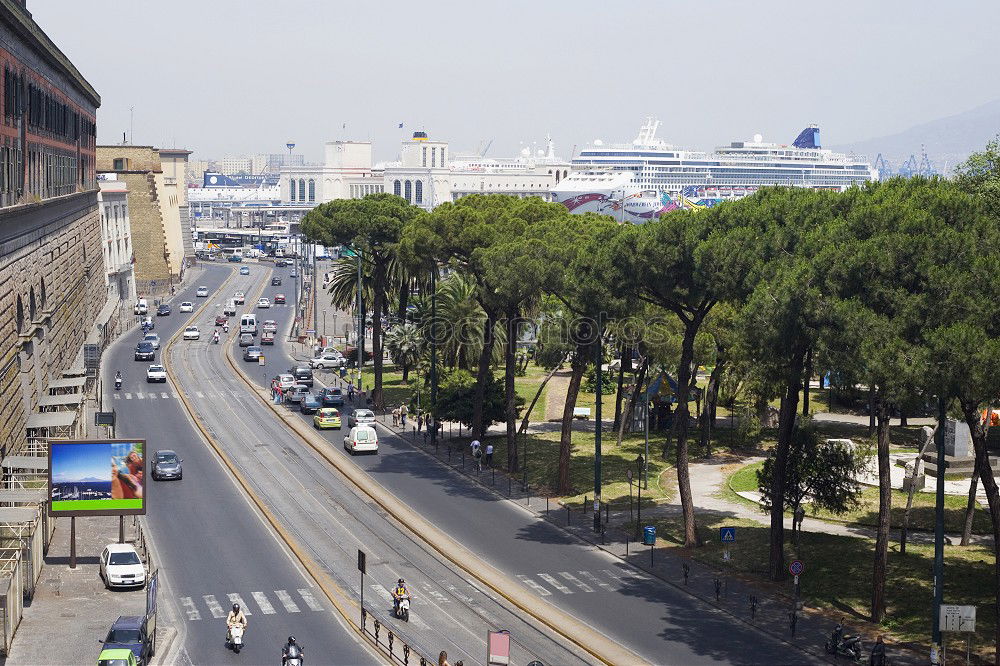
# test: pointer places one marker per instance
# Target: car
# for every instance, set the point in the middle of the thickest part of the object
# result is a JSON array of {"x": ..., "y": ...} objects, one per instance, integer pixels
[
  {"x": 156, "y": 373},
  {"x": 244, "y": 270},
  {"x": 361, "y": 417},
  {"x": 141, "y": 307},
  {"x": 144, "y": 352},
  {"x": 235, "y": 257},
  {"x": 309, "y": 403},
  {"x": 331, "y": 397},
  {"x": 327, "y": 417},
  {"x": 246, "y": 339},
  {"x": 280, "y": 263},
  {"x": 296, "y": 392},
  {"x": 303, "y": 374},
  {"x": 167, "y": 465},
  {"x": 116, "y": 657},
  {"x": 269, "y": 325},
  {"x": 279, "y": 299},
  {"x": 276, "y": 281},
  {"x": 121, "y": 566},
  {"x": 148, "y": 323},
  {"x": 202, "y": 292},
  {"x": 263, "y": 303},
  {"x": 267, "y": 338},
  {"x": 239, "y": 298},
  {"x": 293, "y": 274},
  {"x": 130, "y": 632},
  {"x": 361, "y": 438},
  {"x": 252, "y": 353},
  {"x": 221, "y": 320},
  {"x": 187, "y": 306},
  {"x": 163, "y": 310},
  {"x": 285, "y": 381},
  {"x": 328, "y": 360},
  {"x": 153, "y": 339},
  {"x": 192, "y": 333}
]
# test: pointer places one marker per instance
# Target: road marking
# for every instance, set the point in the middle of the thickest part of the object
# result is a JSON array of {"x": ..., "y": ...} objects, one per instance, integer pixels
[
  {"x": 192, "y": 611},
  {"x": 595, "y": 580},
  {"x": 128, "y": 396},
  {"x": 214, "y": 606},
  {"x": 199, "y": 394},
  {"x": 554, "y": 583},
  {"x": 612, "y": 574},
  {"x": 310, "y": 600},
  {"x": 533, "y": 585},
  {"x": 434, "y": 593},
  {"x": 118, "y": 396},
  {"x": 152, "y": 396},
  {"x": 382, "y": 592},
  {"x": 576, "y": 581},
  {"x": 265, "y": 606},
  {"x": 286, "y": 601},
  {"x": 164, "y": 395},
  {"x": 138, "y": 395},
  {"x": 454, "y": 590},
  {"x": 237, "y": 599}
]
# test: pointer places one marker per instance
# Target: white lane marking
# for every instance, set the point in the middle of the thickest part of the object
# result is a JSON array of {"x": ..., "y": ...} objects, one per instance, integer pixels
[
  {"x": 151, "y": 396},
  {"x": 382, "y": 592},
  {"x": 429, "y": 589},
  {"x": 265, "y": 606},
  {"x": 164, "y": 395},
  {"x": 554, "y": 583},
  {"x": 595, "y": 580},
  {"x": 118, "y": 396},
  {"x": 237, "y": 599},
  {"x": 454, "y": 590},
  {"x": 611, "y": 574},
  {"x": 286, "y": 601},
  {"x": 128, "y": 396},
  {"x": 576, "y": 581},
  {"x": 310, "y": 600},
  {"x": 192, "y": 611},
  {"x": 533, "y": 585},
  {"x": 214, "y": 606},
  {"x": 199, "y": 394},
  {"x": 138, "y": 395}
]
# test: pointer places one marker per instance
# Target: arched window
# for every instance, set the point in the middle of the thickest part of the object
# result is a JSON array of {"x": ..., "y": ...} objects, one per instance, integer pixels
[
  {"x": 42, "y": 302},
  {"x": 20, "y": 315},
  {"x": 396, "y": 188},
  {"x": 312, "y": 190},
  {"x": 419, "y": 191},
  {"x": 408, "y": 192},
  {"x": 32, "y": 307},
  {"x": 302, "y": 189},
  {"x": 291, "y": 189}
]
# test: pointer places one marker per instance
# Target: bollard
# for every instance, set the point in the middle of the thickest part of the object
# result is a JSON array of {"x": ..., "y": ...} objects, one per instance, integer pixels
[
  {"x": 686, "y": 568},
  {"x": 527, "y": 491},
  {"x": 607, "y": 512},
  {"x": 718, "y": 589},
  {"x": 792, "y": 620},
  {"x": 585, "y": 505},
  {"x": 508, "y": 486},
  {"x": 546, "y": 506},
  {"x": 423, "y": 662},
  {"x": 406, "y": 654},
  {"x": 753, "y": 607},
  {"x": 567, "y": 514},
  {"x": 378, "y": 625},
  {"x": 449, "y": 452},
  {"x": 604, "y": 528}
]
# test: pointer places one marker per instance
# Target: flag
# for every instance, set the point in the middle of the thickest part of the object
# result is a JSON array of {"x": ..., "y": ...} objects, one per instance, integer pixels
[{"x": 400, "y": 125}]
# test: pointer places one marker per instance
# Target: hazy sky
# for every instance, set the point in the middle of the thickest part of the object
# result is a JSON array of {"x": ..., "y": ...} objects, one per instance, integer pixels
[{"x": 244, "y": 76}]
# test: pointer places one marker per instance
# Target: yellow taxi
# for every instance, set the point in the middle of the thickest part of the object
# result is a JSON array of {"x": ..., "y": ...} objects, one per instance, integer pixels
[{"x": 326, "y": 417}]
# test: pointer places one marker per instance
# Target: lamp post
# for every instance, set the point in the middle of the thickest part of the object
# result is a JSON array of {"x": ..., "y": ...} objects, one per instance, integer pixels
[
  {"x": 433, "y": 355},
  {"x": 938, "y": 535},
  {"x": 597, "y": 433}
]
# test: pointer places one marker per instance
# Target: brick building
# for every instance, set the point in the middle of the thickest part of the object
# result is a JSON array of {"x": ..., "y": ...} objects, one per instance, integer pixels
[{"x": 51, "y": 262}]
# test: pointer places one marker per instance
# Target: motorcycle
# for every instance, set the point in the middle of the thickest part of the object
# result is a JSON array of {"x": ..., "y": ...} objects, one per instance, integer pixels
[
  {"x": 234, "y": 638},
  {"x": 215, "y": 339},
  {"x": 118, "y": 383},
  {"x": 844, "y": 646},
  {"x": 402, "y": 610},
  {"x": 293, "y": 657}
]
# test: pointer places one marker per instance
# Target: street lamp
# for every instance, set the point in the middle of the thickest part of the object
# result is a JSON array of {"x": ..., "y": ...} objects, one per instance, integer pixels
[{"x": 597, "y": 432}]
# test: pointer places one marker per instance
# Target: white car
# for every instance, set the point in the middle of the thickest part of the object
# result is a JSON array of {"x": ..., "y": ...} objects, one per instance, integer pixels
[
  {"x": 192, "y": 333},
  {"x": 328, "y": 360},
  {"x": 121, "y": 566},
  {"x": 153, "y": 339},
  {"x": 286, "y": 382},
  {"x": 263, "y": 303},
  {"x": 187, "y": 306},
  {"x": 156, "y": 373},
  {"x": 239, "y": 297},
  {"x": 202, "y": 292},
  {"x": 361, "y": 438},
  {"x": 270, "y": 325}
]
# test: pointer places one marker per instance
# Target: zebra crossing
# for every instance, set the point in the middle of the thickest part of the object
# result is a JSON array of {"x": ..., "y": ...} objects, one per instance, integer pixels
[
  {"x": 294, "y": 601},
  {"x": 170, "y": 395},
  {"x": 544, "y": 584}
]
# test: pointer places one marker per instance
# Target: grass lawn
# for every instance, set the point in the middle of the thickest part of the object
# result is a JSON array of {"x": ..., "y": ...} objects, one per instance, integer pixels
[{"x": 838, "y": 574}]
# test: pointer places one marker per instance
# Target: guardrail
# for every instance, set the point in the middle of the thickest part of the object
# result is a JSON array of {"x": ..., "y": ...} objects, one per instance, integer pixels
[{"x": 396, "y": 650}]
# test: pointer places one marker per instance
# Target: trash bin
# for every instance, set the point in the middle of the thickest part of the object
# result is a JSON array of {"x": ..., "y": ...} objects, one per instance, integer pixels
[{"x": 649, "y": 535}]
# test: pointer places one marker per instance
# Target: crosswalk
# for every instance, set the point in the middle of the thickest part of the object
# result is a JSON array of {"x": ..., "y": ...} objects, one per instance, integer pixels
[
  {"x": 293, "y": 601},
  {"x": 574, "y": 582},
  {"x": 170, "y": 395}
]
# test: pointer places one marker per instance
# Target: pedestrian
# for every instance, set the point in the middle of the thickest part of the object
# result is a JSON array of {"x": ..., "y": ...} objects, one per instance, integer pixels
[
  {"x": 443, "y": 659},
  {"x": 420, "y": 421},
  {"x": 402, "y": 415},
  {"x": 395, "y": 417},
  {"x": 489, "y": 455},
  {"x": 350, "y": 390}
]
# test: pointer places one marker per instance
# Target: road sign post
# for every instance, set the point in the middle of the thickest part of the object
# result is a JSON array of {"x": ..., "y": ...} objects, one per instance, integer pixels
[
  {"x": 796, "y": 568},
  {"x": 727, "y": 535},
  {"x": 361, "y": 568},
  {"x": 498, "y": 648}
]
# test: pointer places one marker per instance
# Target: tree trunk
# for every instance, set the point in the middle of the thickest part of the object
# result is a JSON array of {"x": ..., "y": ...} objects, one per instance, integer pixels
[
  {"x": 918, "y": 468},
  {"x": 627, "y": 416},
  {"x": 483, "y": 373},
  {"x": 808, "y": 379},
  {"x": 577, "y": 366},
  {"x": 681, "y": 431},
  {"x": 404, "y": 300},
  {"x": 538, "y": 393},
  {"x": 406, "y": 373},
  {"x": 509, "y": 393},
  {"x": 711, "y": 400},
  {"x": 884, "y": 509},
  {"x": 786, "y": 428},
  {"x": 378, "y": 285},
  {"x": 970, "y": 507},
  {"x": 871, "y": 409},
  {"x": 621, "y": 383}
]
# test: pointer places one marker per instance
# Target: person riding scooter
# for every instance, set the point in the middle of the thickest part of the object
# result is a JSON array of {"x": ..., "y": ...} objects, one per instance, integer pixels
[
  {"x": 215, "y": 338},
  {"x": 235, "y": 618},
  {"x": 225, "y": 327},
  {"x": 399, "y": 593},
  {"x": 292, "y": 652},
  {"x": 118, "y": 379}
]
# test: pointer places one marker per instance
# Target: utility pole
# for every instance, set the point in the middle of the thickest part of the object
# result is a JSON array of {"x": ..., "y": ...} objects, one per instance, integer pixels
[
  {"x": 597, "y": 432},
  {"x": 939, "y": 437}
]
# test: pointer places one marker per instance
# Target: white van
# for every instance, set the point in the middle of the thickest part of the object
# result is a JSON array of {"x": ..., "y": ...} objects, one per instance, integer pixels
[
  {"x": 361, "y": 438},
  {"x": 141, "y": 307},
  {"x": 229, "y": 309},
  {"x": 248, "y": 324}
]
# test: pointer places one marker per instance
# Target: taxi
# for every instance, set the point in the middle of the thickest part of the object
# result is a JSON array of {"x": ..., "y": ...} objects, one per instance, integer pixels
[{"x": 326, "y": 417}]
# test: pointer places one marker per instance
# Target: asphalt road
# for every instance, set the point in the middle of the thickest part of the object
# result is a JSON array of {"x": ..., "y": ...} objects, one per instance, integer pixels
[
  {"x": 212, "y": 546},
  {"x": 656, "y": 620}
]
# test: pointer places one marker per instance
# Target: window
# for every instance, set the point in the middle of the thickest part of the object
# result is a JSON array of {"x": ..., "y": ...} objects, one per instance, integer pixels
[
  {"x": 424, "y": 158},
  {"x": 312, "y": 190},
  {"x": 407, "y": 195},
  {"x": 434, "y": 154},
  {"x": 419, "y": 191},
  {"x": 302, "y": 189},
  {"x": 291, "y": 189},
  {"x": 120, "y": 164},
  {"x": 395, "y": 188}
]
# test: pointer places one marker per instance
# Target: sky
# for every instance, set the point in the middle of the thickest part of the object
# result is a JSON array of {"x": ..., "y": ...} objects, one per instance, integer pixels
[{"x": 246, "y": 76}]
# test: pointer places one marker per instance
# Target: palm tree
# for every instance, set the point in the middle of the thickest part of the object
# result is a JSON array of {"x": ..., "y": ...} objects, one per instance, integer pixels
[{"x": 404, "y": 343}]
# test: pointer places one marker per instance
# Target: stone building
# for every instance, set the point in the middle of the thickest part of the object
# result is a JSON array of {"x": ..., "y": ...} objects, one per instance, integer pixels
[{"x": 52, "y": 287}]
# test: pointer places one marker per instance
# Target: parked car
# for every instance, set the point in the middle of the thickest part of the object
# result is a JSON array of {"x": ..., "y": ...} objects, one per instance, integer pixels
[
  {"x": 331, "y": 397},
  {"x": 244, "y": 270},
  {"x": 328, "y": 360},
  {"x": 221, "y": 321},
  {"x": 246, "y": 339},
  {"x": 144, "y": 352},
  {"x": 192, "y": 333},
  {"x": 361, "y": 417},
  {"x": 303, "y": 374},
  {"x": 276, "y": 281},
  {"x": 296, "y": 392},
  {"x": 167, "y": 465},
  {"x": 163, "y": 310},
  {"x": 156, "y": 373},
  {"x": 187, "y": 306},
  {"x": 263, "y": 303},
  {"x": 239, "y": 297},
  {"x": 121, "y": 566},
  {"x": 116, "y": 657},
  {"x": 129, "y": 632},
  {"x": 280, "y": 263},
  {"x": 153, "y": 339},
  {"x": 309, "y": 403},
  {"x": 327, "y": 417},
  {"x": 269, "y": 325},
  {"x": 293, "y": 274},
  {"x": 235, "y": 258},
  {"x": 267, "y": 338},
  {"x": 252, "y": 353},
  {"x": 285, "y": 382},
  {"x": 360, "y": 439},
  {"x": 202, "y": 292},
  {"x": 279, "y": 299}
]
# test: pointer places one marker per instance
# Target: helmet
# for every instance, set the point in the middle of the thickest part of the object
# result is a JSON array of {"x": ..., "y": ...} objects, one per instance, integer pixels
[
  {"x": 291, "y": 640},
  {"x": 400, "y": 582},
  {"x": 236, "y": 608}
]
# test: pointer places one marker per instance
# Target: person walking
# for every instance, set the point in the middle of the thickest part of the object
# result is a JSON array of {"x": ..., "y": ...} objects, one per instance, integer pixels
[
  {"x": 350, "y": 390},
  {"x": 395, "y": 416},
  {"x": 443, "y": 659},
  {"x": 402, "y": 414},
  {"x": 420, "y": 421},
  {"x": 489, "y": 455}
]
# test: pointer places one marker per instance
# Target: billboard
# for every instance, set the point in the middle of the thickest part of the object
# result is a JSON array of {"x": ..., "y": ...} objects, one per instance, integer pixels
[{"x": 97, "y": 477}]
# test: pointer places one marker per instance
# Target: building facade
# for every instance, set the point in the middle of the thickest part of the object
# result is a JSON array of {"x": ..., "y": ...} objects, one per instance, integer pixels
[{"x": 116, "y": 239}]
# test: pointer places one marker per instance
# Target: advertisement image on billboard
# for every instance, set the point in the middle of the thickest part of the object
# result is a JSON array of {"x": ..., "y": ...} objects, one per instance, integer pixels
[{"x": 97, "y": 477}]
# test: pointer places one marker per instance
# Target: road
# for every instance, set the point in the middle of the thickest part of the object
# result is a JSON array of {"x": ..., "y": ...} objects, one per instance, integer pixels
[
  {"x": 212, "y": 546},
  {"x": 658, "y": 621}
]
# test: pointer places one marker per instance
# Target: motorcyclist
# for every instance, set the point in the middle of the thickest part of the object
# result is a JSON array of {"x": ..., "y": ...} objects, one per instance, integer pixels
[
  {"x": 292, "y": 650},
  {"x": 215, "y": 337},
  {"x": 235, "y": 618},
  {"x": 225, "y": 327},
  {"x": 399, "y": 593},
  {"x": 118, "y": 378}
]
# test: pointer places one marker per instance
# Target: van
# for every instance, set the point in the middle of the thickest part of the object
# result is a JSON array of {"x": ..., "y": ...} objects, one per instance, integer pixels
[
  {"x": 248, "y": 324},
  {"x": 141, "y": 307},
  {"x": 230, "y": 308}
]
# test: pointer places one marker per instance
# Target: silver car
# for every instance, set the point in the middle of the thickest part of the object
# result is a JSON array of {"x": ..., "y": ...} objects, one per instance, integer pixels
[
  {"x": 360, "y": 417},
  {"x": 153, "y": 339}
]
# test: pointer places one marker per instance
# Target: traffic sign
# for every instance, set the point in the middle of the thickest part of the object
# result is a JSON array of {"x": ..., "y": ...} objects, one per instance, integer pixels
[
  {"x": 796, "y": 568},
  {"x": 727, "y": 534},
  {"x": 958, "y": 618}
]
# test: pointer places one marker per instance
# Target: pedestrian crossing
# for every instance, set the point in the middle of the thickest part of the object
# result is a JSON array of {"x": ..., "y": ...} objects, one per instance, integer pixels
[
  {"x": 170, "y": 395},
  {"x": 287, "y": 601},
  {"x": 544, "y": 584}
]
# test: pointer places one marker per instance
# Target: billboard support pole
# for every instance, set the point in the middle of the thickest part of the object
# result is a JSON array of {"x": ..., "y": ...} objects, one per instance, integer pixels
[
  {"x": 72, "y": 542},
  {"x": 121, "y": 529}
]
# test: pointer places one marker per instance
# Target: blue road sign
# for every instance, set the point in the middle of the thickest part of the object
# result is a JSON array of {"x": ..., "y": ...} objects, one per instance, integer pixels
[
  {"x": 796, "y": 568},
  {"x": 727, "y": 534}
]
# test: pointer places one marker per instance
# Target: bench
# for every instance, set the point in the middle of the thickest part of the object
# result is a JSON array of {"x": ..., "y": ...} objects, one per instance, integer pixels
[{"x": 581, "y": 412}]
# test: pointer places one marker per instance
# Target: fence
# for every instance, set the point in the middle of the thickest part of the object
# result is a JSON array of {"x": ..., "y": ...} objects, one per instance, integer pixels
[
  {"x": 12, "y": 597},
  {"x": 398, "y": 651}
]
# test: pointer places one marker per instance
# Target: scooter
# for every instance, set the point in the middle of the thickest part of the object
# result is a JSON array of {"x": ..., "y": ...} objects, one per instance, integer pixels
[
  {"x": 294, "y": 657},
  {"x": 234, "y": 638},
  {"x": 844, "y": 646},
  {"x": 215, "y": 339},
  {"x": 402, "y": 610},
  {"x": 118, "y": 383}
]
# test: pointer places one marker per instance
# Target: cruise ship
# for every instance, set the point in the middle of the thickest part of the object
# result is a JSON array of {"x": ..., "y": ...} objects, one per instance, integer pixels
[{"x": 648, "y": 177}]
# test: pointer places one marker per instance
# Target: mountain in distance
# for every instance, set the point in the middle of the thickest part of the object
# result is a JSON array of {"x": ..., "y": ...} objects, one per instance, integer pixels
[
  {"x": 86, "y": 479},
  {"x": 948, "y": 141}
]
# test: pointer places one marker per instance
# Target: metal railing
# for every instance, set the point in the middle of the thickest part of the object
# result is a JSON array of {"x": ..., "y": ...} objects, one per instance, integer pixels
[
  {"x": 11, "y": 598},
  {"x": 389, "y": 642}
]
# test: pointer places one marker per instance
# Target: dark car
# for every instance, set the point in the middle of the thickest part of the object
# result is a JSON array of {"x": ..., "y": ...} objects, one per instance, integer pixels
[
  {"x": 144, "y": 351},
  {"x": 279, "y": 299},
  {"x": 235, "y": 257},
  {"x": 163, "y": 310},
  {"x": 166, "y": 465},
  {"x": 280, "y": 263},
  {"x": 331, "y": 397},
  {"x": 252, "y": 353},
  {"x": 309, "y": 403},
  {"x": 221, "y": 321},
  {"x": 276, "y": 282},
  {"x": 303, "y": 374},
  {"x": 129, "y": 632}
]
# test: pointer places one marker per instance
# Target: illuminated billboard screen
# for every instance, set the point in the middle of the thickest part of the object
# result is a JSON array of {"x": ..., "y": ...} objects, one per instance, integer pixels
[{"x": 97, "y": 477}]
